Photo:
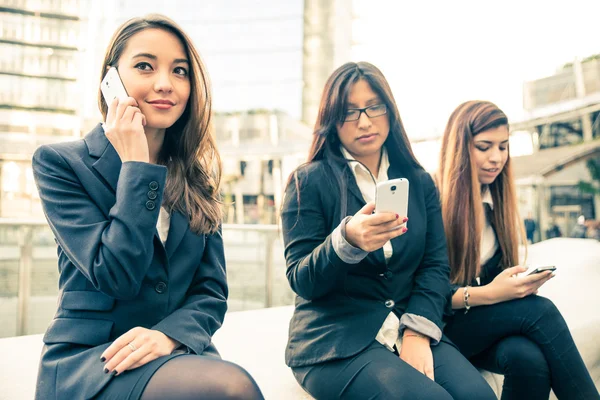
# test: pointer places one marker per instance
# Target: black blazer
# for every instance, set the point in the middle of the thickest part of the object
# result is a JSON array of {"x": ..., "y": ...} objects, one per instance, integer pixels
[
  {"x": 340, "y": 307},
  {"x": 115, "y": 273}
]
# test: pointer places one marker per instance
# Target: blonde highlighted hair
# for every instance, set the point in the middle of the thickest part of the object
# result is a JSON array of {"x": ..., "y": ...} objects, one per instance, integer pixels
[{"x": 460, "y": 193}]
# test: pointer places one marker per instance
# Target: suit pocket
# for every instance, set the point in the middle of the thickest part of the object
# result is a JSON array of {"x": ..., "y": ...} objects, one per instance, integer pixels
[
  {"x": 87, "y": 301},
  {"x": 90, "y": 332}
]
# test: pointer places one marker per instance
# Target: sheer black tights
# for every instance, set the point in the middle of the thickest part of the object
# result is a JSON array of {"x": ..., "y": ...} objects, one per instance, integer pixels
[{"x": 191, "y": 377}]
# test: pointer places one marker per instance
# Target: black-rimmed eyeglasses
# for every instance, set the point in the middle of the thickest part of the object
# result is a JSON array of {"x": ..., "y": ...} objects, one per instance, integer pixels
[{"x": 353, "y": 114}]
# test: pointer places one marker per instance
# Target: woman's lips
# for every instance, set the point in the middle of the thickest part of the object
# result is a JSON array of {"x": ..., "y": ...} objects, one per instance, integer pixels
[{"x": 367, "y": 138}]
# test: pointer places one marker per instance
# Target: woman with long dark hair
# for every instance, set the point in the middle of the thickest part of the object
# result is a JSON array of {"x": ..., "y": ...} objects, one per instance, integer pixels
[
  {"x": 135, "y": 210},
  {"x": 500, "y": 324},
  {"x": 371, "y": 294}
]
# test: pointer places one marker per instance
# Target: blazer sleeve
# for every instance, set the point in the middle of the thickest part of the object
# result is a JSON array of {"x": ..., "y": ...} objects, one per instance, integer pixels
[
  {"x": 113, "y": 251},
  {"x": 313, "y": 266},
  {"x": 201, "y": 314},
  {"x": 431, "y": 292}
]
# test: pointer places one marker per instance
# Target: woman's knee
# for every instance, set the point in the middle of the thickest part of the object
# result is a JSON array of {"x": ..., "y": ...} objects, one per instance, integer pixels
[
  {"x": 238, "y": 384},
  {"x": 518, "y": 355}
]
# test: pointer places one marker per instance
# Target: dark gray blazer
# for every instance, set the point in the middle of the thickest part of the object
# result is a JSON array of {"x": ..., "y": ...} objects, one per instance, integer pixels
[
  {"x": 115, "y": 273},
  {"x": 340, "y": 307}
]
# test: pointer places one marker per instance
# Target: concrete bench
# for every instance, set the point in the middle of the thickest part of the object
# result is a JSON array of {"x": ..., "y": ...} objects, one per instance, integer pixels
[{"x": 257, "y": 339}]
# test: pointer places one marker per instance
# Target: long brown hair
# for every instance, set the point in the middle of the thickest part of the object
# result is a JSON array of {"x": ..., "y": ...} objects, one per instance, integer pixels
[
  {"x": 189, "y": 150},
  {"x": 332, "y": 110},
  {"x": 460, "y": 193}
]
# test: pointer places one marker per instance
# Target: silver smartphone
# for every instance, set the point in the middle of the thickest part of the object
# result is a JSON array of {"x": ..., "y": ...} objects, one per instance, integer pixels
[
  {"x": 112, "y": 87},
  {"x": 539, "y": 269},
  {"x": 392, "y": 196}
]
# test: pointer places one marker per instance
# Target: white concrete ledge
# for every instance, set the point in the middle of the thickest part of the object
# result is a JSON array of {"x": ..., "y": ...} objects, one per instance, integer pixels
[{"x": 256, "y": 339}]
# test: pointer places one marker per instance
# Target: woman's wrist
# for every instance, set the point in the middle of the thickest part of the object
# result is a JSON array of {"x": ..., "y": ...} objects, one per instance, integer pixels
[{"x": 410, "y": 334}]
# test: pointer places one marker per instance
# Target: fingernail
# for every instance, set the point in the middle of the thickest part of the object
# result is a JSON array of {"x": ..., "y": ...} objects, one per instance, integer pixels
[
  {"x": 404, "y": 230},
  {"x": 405, "y": 219},
  {"x": 106, "y": 370},
  {"x": 114, "y": 373},
  {"x": 397, "y": 216},
  {"x": 102, "y": 359}
]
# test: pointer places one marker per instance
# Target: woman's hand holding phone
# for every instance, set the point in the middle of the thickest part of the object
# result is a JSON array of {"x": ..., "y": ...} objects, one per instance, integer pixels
[
  {"x": 369, "y": 231},
  {"x": 124, "y": 128},
  {"x": 508, "y": 285}
]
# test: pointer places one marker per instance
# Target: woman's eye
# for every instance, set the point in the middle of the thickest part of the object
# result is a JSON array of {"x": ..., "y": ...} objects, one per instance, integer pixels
[
  {"x": 482, "y": 148},
  {"x": 181, "y": 71},
  {"x": 503, "y": 148},
  {"x": 143, "y": 66}
]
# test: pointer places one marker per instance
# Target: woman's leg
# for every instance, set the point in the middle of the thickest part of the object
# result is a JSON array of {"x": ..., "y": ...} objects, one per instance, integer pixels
[
  {"x": 458, "y": 376},
  {"x": 538, "y": 319},
  {"x": 192, "y": 377},
  {"x": 523, "y": 365},
  {"x": 377, "y": 373}
]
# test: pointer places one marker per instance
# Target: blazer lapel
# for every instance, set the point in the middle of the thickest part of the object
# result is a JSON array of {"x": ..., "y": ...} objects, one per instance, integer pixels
[
  {"x": 177, "y": 229},
  {"x": 108, "y": 163}
]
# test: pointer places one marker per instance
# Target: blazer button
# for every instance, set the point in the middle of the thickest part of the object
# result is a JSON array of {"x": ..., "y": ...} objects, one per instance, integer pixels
[
  {"x": 150, "y": 205},
  {"x": 153, "y": 185},
  {"x": 152, "y": 195},
  {"x": 389, "y": 303},
  {"x": 388, "y": 274},
  {"x": 160, "y": 287}
]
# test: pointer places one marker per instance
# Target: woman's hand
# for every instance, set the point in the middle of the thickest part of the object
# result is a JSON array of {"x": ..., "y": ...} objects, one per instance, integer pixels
[
  {"x": 416, "y": 351},
  {"x": 135, "y": 348},
  {"x": 369, "y": 231},
  {"x": 124, "y": 128},
  {"x": 508, "y": 286}
]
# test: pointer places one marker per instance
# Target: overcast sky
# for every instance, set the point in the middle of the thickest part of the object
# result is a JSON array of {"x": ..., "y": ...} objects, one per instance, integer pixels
[{"x": 437, "y": 54}]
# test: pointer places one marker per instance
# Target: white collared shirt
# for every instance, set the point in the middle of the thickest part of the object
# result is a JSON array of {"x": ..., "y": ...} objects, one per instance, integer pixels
[
  {"x": 367, "y": 187},
  {"x": 389, "y": 334},
  {"x": 162, "y": 225},
  {"x": 488, "y": 244}
]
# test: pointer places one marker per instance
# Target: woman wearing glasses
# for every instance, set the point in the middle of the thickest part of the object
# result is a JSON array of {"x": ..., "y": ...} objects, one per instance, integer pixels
[{"x": 371, "y": 297}]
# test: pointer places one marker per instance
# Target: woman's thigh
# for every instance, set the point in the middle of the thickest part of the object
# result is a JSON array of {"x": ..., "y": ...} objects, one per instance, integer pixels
[
  {"x": 200, "y": 377},
  {"x": 375, "y": 373},
  {"x": 535, "y": 317}
]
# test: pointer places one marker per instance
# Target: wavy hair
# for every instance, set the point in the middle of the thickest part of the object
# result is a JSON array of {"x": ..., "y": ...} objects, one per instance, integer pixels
[
  {"x": 189, "y": 150},
  {"x": 460, "y": 193}
]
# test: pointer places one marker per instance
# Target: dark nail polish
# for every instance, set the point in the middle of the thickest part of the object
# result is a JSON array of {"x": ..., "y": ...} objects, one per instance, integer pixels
[
  {"x": 397, "y": 216},
  {"x": 404, "y": 230},
  {"x": 114, "y": 373},
  {"x": 106, "y": 370},
  {"x": 405, "y": 219},
  {"x": 102, "y": 359}
]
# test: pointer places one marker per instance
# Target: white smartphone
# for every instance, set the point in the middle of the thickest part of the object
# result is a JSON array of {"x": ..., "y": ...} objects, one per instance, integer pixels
[
  {"x": 112, "y": 86},
  {"x": 392, "y": 196}
]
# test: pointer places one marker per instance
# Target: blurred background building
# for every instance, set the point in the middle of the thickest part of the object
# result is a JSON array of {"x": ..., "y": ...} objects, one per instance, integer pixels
[
  {"x": 40, "y": 64},
  {"x": 564, "y": 125},
  {"x": 268, "y": 61}
]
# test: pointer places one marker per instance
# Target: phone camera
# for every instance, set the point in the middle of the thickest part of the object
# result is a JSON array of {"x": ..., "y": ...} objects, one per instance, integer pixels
[{"x": 393, "y": 188}]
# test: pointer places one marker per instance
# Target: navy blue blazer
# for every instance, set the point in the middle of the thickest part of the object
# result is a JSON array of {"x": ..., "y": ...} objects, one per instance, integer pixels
[
  {"x": 115, "y": 273},
  {"x": 340, "y": 307}
]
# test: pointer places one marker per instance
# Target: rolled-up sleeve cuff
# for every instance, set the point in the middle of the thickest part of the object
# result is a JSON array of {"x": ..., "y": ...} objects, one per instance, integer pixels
[
  {"x": 344, "y": 250},
  {"x": 421, "y": 325}
]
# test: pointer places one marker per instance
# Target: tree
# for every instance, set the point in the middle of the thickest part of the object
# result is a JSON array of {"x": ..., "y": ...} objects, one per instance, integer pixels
[{"x": 592, "y": 187}]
